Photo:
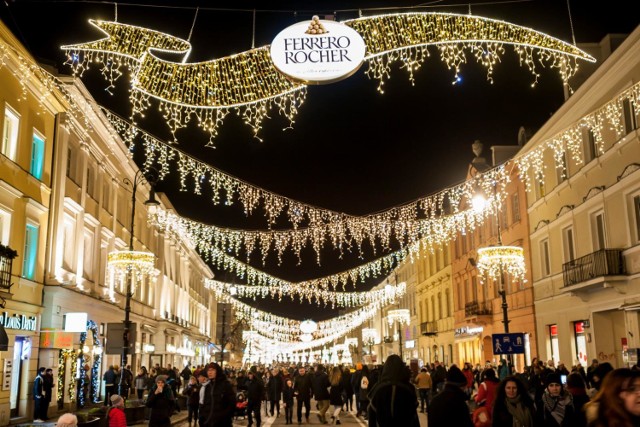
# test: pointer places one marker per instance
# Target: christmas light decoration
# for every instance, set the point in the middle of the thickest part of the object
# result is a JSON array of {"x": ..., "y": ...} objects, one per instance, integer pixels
[
  {"x": 308, "y": 327},
  {"x": 249, "y": 83},
  {"x": 123, "y": 266},
  {"x": 400, "y": 316},
  {"x": 370, "y": 336},
  {"x": 493, "y": 261}
]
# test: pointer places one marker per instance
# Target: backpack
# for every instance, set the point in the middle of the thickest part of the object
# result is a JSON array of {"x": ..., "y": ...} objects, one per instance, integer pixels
[{"x": 364, "y": 383}]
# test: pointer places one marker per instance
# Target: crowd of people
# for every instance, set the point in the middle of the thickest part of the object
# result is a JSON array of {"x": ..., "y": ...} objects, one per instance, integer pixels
[{"x": 542, "y": 395}]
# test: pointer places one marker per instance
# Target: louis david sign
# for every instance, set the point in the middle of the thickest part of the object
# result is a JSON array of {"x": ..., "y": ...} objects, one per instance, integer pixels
[
  {"x": 18, "y": 321},
  {"x": 318, "y": 52}
]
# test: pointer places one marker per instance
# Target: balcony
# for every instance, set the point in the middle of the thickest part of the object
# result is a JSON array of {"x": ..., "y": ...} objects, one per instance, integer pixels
[
  {"x": 599, "y": 264},
  {"x": 429, "y": 329},
  {"x": 6, "y": 261},
  {"x": 478, "y": 312}
]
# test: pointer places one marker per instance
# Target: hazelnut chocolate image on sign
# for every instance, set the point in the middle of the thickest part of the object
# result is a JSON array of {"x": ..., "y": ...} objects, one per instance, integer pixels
[{"x": 316, "y": 27}]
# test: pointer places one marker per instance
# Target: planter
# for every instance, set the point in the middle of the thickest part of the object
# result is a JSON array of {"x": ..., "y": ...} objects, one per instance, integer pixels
[
  {"x": 135, "y": 415},
  {"x": 90, "y": 422}
]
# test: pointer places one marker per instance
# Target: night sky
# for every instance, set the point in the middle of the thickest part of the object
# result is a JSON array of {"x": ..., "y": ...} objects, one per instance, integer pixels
[{"x": 351, "y": 148}]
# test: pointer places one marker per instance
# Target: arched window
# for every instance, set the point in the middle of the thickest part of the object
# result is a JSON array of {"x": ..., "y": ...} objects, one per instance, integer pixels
[{"x": 439, "y": 305}]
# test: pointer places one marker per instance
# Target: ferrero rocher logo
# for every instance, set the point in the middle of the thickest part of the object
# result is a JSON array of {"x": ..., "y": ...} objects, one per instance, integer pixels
[{"x": 315, "y": 26}]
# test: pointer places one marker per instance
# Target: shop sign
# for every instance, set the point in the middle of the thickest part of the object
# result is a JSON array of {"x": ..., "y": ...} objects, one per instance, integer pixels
[
  {"x": 465, "y": 331},
  {"x": 75, "y": 322},
  {"x": 410, "y": 344},
  {"x": 318, "y": 51},
  {"x": 56, "y": 339},
  {"x": 18, "y": 321},
  {"x": 7, "y": 373}
]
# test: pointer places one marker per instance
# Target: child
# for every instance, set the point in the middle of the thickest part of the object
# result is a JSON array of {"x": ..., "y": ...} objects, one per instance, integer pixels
[
  {"x": 287, "y": 399},
  {"x": 192, "y": 391}
]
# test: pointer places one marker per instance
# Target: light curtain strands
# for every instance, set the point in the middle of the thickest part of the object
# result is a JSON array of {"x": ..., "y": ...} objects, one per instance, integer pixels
[
  {"x": 493, "y": 261},
  {"x": 608, "y": 118},
  {"x": 330, "y": 298},
  {"x": 249, "y": 84}
]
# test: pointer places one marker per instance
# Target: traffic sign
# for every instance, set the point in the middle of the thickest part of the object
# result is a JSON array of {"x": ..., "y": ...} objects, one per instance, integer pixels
[{"x": 508, "y": 343}]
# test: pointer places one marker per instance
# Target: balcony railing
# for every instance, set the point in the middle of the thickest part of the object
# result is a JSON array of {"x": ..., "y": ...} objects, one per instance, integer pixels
[
  {"x": 476, "y": 308},
  {"x": 429, "y": 328},
  {"x": 605, "y": 262},
  {"x": 6, "y": 261}
]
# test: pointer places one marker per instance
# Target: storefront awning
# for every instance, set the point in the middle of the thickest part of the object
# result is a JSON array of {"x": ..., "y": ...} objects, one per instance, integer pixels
[{"x": 4, "y": 339}]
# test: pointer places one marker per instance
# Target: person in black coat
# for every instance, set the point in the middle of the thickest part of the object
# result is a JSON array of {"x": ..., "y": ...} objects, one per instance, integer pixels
[
  {"x": 161, "y": 402},
  {"x": 255, "y": 391},
  {"x": 449, "y": 407},
  {"x": 48, "y": 392},
  {"x": 355, "y": 383},
  {"x": 320, "y": 383},
  {"x": 393, "y": 399},
  {"x": 303, "y": 393},
  {"x": 556, "y": 408},
  {"x": 274, "y": 392},
  {"x": 336, "y": 394},
  {"x": 348, "y": 389},
  {"x": 218, "y": 401},
  {"x": 287, "y": 401}
]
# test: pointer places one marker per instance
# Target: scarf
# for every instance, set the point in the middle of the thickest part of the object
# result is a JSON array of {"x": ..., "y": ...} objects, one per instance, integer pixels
[
  {"x": 521, "y": 414},
  {"x": 557, "y": 405}
]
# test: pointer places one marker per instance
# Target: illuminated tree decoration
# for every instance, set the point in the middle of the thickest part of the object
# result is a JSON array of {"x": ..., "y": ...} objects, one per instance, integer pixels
[
  {"x": 493, "y": 261},
  {"x": 250, "y": 84},
  {"x": 123, "y": 266}
]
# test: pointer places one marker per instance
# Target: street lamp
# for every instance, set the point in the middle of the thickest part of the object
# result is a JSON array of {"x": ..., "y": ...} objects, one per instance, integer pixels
[
  {"x": 401, "y": 316},
  {"x": 129, "y": 267}
]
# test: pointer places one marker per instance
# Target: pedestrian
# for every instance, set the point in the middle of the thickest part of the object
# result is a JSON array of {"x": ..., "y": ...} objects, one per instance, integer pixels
[
  {"x": 255, "y": 391},
  {"x": 303, "y": 393},
  {"x": 218, "y": 402},
  {"x": 449, "y": 407},
  {"x": 320, "y": 383},
  {"x": 468, "y": 373},
  {"x": 161, "y": 401},
  {"x": 336, "y": 394},
  {"x": 355, "y": 385},
  {"x": 39, "y": 410},
  {"x": 556, "y": 408},
  {"x": 393, "y": 400},
  {"x": 109, "y": 379},
  {"x": 140, "y": 383},
  {"x": 192, "y": 391},
  {"x": 287, "y": 401},
  {"x": 364, "y": 391},
  {"x": 274, "y": 392},
  {"x": 617, "y": 402},
  {"x": 48, "y": 392},
  {"x": 487, "y": 389},
  {"x": 512, "y": 406},
  {"x": 186, "y": 374},
  {"x": 67, "y": 420},
  {"x": 116, "y": 416},
  {"x": 348, "y": 389},
  {"x": 578, "y": 389},
  {"x": 503, "y": 370},
  {"x": 423, "y": 382}
]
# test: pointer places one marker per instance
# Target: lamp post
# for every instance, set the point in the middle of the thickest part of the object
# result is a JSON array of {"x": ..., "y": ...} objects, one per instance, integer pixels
[{"x": 131, "y": 265}]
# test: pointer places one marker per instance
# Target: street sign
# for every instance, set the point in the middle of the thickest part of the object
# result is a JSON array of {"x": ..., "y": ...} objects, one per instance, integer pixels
[{"x": 508, "y": 343}]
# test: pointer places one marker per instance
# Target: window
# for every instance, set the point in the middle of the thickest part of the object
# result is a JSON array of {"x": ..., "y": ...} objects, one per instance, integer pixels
[
  {"x": 474, "y": 288},
  {"x": 515, "y": 207},
  {"x": 5, "y": 227},
  {"x": 439, "y": 305},
  {"x": 10, "y": 133},
  {"x": 87, "y": 259},
  {"x": 504, "y": 220},
  {"x": 37, "y": 155},
  {"x": 69, "y": 243},
  {"x": 433, "y": 307},
  {"x": 545, "y": 258},
  {"x": 568, "y": 244},
  {"x": 598, "y": 229},
  {"x": 580, "y": 343},
  {"x": 447, "y": 295},
  {"x": 91, "y": 183},
  {"x": 30, "y": 252},
  {"x": 72, "y": 165},
  {"x": 553, "y": 341},
  {"x": 106, "y": 195},
  {"x": 589, "y": 145},
  {"x": 629, "y": 113},
  {"x": 636, "y": 210}
]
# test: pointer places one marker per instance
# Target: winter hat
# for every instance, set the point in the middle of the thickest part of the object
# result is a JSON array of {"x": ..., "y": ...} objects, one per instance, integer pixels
[
  {"x": 116, "y": 400},
  {"x": 455, "y": 376},
  {"x": 552, "y": 377},
  {"x": 162, "y": 378}
]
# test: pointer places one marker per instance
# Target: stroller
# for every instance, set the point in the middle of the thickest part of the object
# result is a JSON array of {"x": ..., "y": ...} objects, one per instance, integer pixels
[{"x": 241, "y": 405}]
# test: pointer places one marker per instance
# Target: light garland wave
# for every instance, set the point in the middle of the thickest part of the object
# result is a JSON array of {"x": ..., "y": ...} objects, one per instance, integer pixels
[{"x": 250, "y": 84}]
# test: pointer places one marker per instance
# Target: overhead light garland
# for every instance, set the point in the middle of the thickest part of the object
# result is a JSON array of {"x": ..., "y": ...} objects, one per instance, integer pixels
[
  {"x": 401, "y": 316},
  {"x": 317, "y": 295},
  {"x": 125, "y": 266},
  {"x": 250, "y": 84}
]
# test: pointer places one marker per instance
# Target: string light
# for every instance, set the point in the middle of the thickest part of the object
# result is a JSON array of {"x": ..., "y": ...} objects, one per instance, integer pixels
[
  {"x": 400, "y": 316},
  {"x": 250, "y": 84},
  {"x": 125, "y": 266},
  {"x": 370, "y": 336}
]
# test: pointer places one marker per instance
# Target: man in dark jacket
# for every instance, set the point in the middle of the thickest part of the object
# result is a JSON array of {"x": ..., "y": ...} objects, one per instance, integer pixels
[
  {"x": 109, "y": 378},
  {"x": 218, "y": 399},
  {"x": 303, "y": 392},
  {"x": 255, "y": 391},
  {"x": 393, "y": 400},
  {"x": 320, "y": 383},
  {"x": 355, "y": 385},
  {"x": 274, "y": 391},
  {"x": 39, "y": 407},
  {"x": 438, "y": 377},
  {"x": 449, "y": 407}
]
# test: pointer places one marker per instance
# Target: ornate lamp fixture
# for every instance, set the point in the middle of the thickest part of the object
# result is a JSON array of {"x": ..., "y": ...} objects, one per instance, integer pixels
[
  {"x": 308, "y": 327},
  {"x": 370, "y": 336},
  {"x": 124, "y": 266},
  {"x": 401, "y": 315},
  {"x": 493, "y": 261}
]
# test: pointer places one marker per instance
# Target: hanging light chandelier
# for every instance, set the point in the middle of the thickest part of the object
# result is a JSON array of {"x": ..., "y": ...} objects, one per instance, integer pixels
[
  {"x": 370, "y": 336},
  {"x": 129, "y": 265},
  {"x": 400, "y": 315},
  {"x": 493, "y": 261},
  {"x": 308, "y": 327}
]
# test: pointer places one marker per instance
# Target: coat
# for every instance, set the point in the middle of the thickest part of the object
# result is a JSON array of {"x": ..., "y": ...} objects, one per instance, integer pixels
[
  {"x": 274, "y": 388},
  {"x": 219, "y": 402},
  {"x": 449, "y": 408},
  {"x": 117, "y": 417},
  {"x": 393, "y": 400},
  {"x": 320, "y": 383},
  {"x": 302, "y": 386},
  {"x": 162, "y": 405},
  {"x": 335, "y": 394}
]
